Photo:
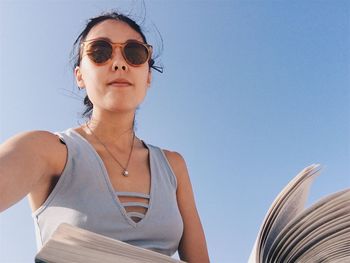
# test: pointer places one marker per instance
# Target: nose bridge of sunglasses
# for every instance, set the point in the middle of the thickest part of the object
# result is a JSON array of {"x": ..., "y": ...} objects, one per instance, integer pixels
[{"x": 118, "y": 51}]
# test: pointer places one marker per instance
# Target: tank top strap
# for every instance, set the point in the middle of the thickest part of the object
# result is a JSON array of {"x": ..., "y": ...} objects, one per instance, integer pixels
[{"x": 161, "y": 162}]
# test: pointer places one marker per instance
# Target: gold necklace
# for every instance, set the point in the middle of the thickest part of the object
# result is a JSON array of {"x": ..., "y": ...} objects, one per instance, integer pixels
[{"x": 125, "y": 169}]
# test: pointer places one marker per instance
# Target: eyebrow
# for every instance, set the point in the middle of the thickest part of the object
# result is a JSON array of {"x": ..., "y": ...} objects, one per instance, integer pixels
[{"x": 109, "y": 40}]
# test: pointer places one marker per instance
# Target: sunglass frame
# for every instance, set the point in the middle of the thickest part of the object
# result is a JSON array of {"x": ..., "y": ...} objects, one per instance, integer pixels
[{"x": 86, "y": 43}]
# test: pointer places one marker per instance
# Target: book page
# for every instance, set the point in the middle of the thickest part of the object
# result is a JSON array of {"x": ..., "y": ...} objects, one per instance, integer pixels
[
  {"x": 322, "y": 228},
  {"x": 288, "y": 204},
  {"x": 72, "y": 244}
]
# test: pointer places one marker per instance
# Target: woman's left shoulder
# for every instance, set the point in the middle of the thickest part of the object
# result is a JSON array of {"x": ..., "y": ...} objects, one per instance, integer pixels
[{"x": 177, "y": 163}]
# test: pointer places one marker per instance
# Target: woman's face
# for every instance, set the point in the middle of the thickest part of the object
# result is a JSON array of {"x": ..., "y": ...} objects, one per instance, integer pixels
[{"x": 97, "y": 78}]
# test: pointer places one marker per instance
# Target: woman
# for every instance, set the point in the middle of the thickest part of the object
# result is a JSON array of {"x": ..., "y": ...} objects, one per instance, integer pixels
[{"x": 100, "y": 176}]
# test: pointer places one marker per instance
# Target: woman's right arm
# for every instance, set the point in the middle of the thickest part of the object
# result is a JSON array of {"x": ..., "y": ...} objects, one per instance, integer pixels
[{"x": 26, "y": 160}]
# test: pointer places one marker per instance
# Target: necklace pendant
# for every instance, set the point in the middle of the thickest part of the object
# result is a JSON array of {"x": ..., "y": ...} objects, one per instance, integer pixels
[{"x": 125, "y": 173}]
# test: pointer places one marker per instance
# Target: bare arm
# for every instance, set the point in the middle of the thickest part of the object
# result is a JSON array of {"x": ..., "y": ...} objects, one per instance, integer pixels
[
  {"x": 25, "y": 160},
  {"x": 193, "y": 248}
]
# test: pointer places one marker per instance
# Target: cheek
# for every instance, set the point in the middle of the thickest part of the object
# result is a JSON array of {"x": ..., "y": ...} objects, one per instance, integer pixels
[
  {"x": 142, "y": 78},
  {"x": 93, "y": 80},
  {"x": 93, "y": 76}
]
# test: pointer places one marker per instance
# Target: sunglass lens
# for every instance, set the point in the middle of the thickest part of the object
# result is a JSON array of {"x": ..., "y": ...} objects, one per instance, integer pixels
[
  {"x": 136, "y": 53},
  {"x": 100, "y": 51}
]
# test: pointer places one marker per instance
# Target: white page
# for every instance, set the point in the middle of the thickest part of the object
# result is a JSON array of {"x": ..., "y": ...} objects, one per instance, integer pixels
[
  {"x": 323, "y": 220},
  {"x": 288, "y": 204},
  {"x": 73, "y": 244}
]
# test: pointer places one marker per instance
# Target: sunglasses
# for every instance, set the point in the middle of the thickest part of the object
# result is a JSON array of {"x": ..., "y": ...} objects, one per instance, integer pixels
[{"x": 100, "y": 51}]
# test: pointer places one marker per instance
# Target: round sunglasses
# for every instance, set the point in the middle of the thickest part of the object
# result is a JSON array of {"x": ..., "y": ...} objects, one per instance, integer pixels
[{"x": 100, "y": 51}]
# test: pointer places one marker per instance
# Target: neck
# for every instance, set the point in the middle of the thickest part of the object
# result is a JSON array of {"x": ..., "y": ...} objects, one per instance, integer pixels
[{"x": 116, "y": 130}]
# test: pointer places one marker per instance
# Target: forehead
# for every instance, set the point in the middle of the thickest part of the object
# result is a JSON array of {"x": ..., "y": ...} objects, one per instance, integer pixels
[{"x": 116, "y": 31}]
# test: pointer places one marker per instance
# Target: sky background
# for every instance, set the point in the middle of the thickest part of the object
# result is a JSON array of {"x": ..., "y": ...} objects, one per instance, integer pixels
[{"x": 252, "y": 92}]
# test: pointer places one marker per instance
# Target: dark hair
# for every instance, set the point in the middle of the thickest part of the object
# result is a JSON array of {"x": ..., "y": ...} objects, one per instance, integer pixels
[{"x": 82, "y": 36}]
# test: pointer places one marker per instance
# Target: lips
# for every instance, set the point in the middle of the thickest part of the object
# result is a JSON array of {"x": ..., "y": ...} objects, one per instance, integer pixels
[{"x": 119, "y": 82}]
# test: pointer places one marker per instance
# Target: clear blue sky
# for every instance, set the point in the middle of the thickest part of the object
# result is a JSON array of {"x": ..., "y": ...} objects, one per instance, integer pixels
[{"x": 253, "y": 91}]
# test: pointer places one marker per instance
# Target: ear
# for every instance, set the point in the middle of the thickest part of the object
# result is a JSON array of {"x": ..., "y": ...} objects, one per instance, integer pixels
[
  {"x": 79, "y": 77},
  {"x": 149, "y": 79}
]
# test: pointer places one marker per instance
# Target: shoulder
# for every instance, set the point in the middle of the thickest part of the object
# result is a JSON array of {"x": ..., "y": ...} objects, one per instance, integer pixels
[
  {"x": 36, "y": 139},
  {"x": 43, "y": 144},
  {"x": 178, "y": 164},
  {"x": 175, "y": 158}
]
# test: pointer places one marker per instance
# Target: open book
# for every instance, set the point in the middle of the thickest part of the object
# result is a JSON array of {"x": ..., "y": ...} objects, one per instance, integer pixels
[
  {"x": 291, "y": 233},
  {"x": 70, "y": 244}
]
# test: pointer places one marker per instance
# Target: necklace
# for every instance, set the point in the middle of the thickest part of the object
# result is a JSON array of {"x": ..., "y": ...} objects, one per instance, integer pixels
[{"x": 125, "y": 169}]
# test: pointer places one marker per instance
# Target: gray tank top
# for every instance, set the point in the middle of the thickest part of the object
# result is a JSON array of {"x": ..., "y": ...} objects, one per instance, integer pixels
[{"x": 85, "y": 197}]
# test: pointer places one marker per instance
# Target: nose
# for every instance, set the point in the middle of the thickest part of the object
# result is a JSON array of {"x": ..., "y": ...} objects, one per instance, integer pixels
[{"x": 119, "y": 62}]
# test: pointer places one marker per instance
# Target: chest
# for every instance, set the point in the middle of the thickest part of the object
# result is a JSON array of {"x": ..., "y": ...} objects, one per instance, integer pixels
[
  {"x": 139, "y": 171},
  {"x": 84, "y": 197},
  {"x": 137, "y": 181}
]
